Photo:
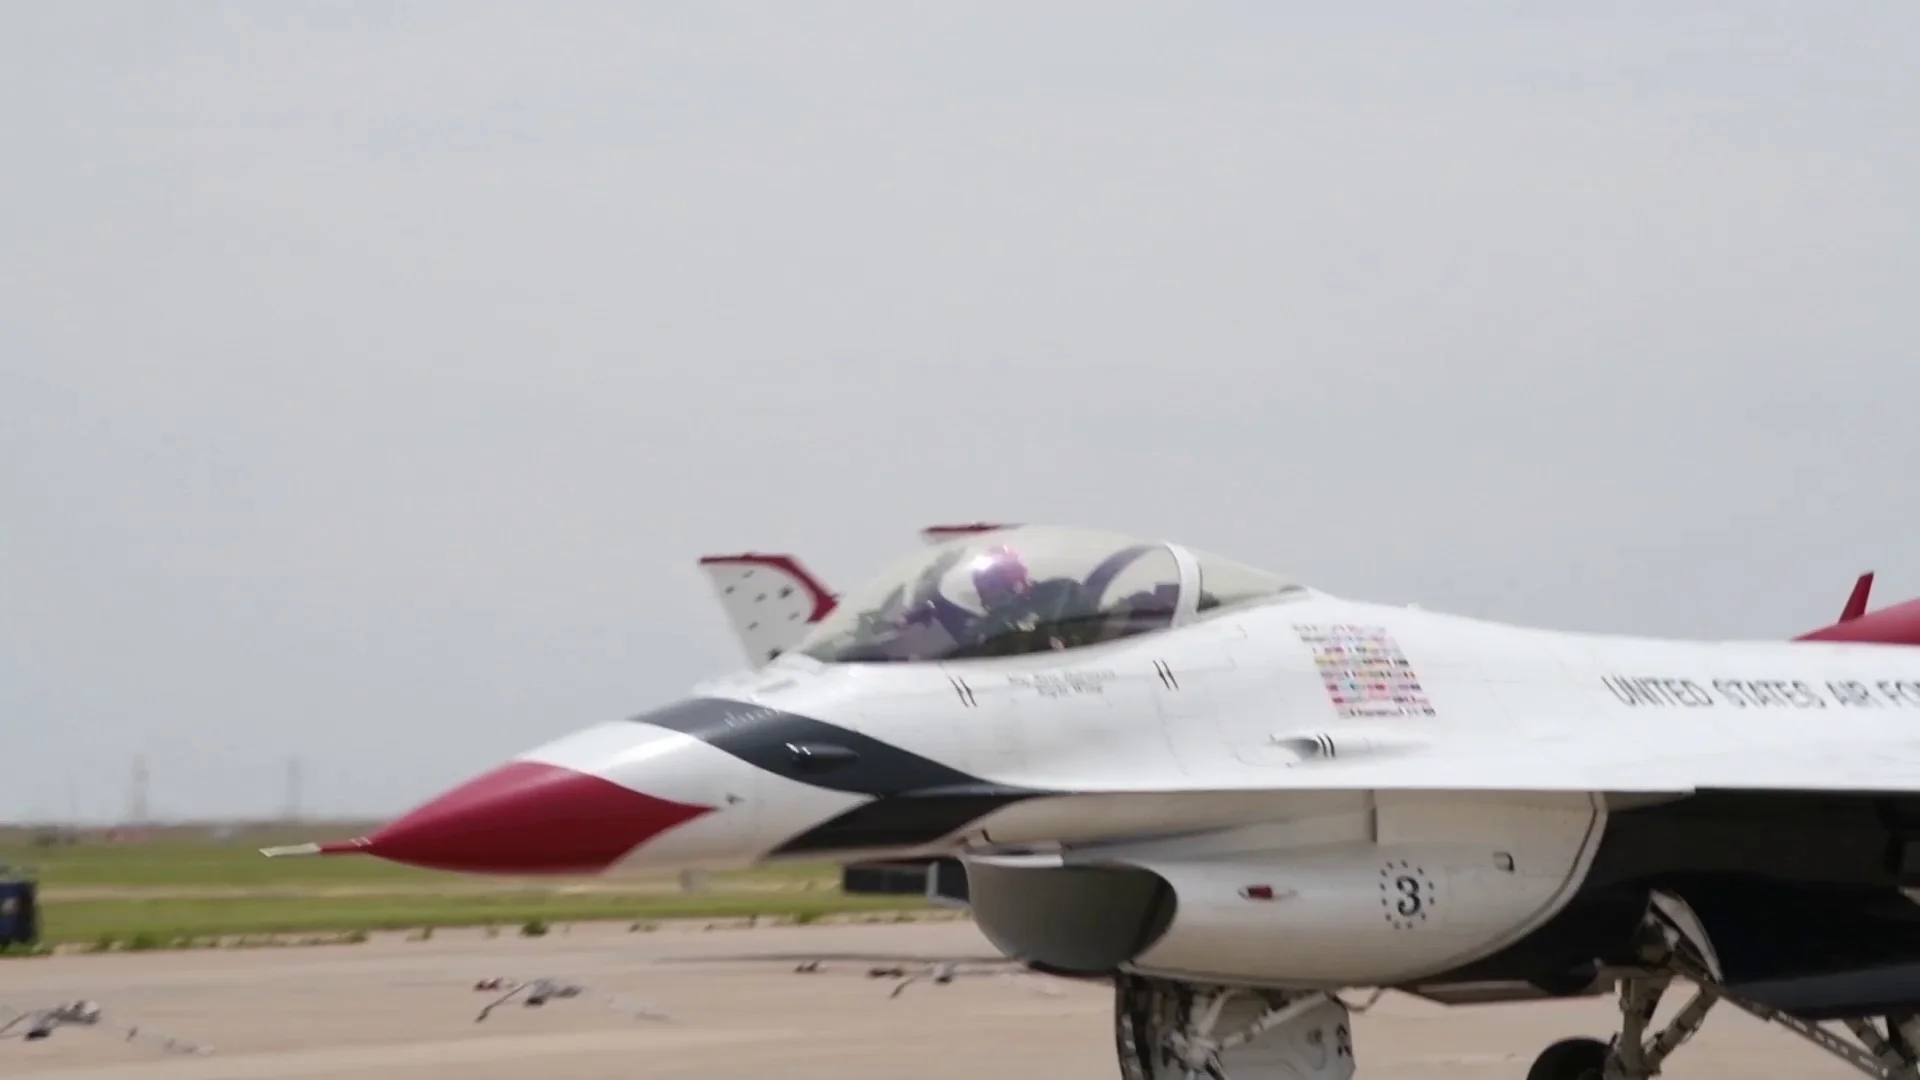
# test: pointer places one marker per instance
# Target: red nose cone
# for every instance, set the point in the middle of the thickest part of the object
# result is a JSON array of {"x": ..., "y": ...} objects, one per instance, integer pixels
[{"x": 527, "y": 818}]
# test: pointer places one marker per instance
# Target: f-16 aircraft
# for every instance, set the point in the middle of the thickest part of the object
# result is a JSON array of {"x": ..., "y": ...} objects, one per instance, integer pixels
[{"x": 1237, "y": 799}]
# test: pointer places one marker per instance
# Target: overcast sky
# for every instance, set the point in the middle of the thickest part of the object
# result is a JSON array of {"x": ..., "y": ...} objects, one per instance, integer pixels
[{"x": 371, "y": 374}]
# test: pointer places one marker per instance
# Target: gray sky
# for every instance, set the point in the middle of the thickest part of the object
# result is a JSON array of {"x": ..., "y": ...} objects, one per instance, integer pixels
[{"x": 371, "y": 374}]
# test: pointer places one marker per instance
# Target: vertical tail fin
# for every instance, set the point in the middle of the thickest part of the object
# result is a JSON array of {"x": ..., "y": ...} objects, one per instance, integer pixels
[
  {"x": 1857, "y": 603},
  {"x": 771, "y": 601},
  {"x": 1895, "y": 625}
]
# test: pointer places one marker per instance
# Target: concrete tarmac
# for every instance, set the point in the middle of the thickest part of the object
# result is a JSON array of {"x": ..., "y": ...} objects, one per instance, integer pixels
[{"x": 400, "y": 1010}]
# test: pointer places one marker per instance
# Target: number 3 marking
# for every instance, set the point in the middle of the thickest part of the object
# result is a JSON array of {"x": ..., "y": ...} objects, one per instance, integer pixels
[{"x": 1410, "y": 902}]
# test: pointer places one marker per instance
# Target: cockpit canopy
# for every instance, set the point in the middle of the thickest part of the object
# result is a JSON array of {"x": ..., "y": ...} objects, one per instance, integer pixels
[{"x": 1031, "y": 589}]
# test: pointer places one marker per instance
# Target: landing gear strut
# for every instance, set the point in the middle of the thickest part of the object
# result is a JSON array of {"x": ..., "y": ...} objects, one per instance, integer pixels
[
  {"x": 1177, "y": 1031},
  {"x": 1674, "y": 947}
]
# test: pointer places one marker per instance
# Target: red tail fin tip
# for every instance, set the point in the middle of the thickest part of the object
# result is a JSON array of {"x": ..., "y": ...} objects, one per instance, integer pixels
[{"x": 1857, "y": 603}]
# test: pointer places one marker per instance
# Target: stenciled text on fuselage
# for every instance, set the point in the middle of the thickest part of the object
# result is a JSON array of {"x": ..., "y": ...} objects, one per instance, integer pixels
[{"x": 1659, "y": 691}]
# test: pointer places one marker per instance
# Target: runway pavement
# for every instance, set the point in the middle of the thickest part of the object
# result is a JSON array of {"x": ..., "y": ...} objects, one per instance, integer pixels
[{"x": 398, "y": 1009}]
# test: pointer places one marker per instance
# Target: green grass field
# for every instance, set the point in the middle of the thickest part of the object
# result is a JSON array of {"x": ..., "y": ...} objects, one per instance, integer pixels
[
  {"x": 169, "y": 891},
  {"x": 235, "y": 864}
]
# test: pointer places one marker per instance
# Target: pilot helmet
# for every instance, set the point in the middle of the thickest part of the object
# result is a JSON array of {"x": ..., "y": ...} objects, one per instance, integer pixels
[{"x": 999, "y": 575}]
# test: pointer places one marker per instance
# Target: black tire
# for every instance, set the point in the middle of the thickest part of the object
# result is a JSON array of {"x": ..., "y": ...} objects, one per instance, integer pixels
[{"x": 1571, "y": 1059}]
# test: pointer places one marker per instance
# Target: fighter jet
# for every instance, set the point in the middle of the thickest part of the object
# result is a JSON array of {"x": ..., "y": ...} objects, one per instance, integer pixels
[{"x": 1237, "y": 798}]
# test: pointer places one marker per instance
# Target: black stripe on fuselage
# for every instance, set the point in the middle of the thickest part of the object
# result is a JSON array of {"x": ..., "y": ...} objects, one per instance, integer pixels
[
  {"x": 902, "y": 822},
  {"x": 917, "y": 800}
]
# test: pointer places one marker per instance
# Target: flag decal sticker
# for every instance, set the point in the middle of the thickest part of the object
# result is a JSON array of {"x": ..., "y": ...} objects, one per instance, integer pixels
[{"x": 1364, "y": 672}]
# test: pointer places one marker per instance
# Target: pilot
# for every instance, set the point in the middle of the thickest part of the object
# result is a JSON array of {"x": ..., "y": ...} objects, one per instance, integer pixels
[
  {"x": 1001, "y": 578},
  {"x": 1014, "y": 606}
]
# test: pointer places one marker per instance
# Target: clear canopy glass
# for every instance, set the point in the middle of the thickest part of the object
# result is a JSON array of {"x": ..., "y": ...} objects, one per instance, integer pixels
[
  {"x": 1225, "y": 583},
  {"x": 1025, "y": 590}
]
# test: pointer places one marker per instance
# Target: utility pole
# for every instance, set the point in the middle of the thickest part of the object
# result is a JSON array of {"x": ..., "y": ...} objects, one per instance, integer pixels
[
  {"x": 137, "y": 795},
  {"x": 293, "y": 789}
]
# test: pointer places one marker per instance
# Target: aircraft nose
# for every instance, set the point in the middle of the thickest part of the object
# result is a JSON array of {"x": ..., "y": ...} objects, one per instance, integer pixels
[{"x": 527, "y": 817}]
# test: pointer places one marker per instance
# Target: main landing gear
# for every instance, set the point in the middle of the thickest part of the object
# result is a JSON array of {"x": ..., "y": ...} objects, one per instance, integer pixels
[
  {"x": 1177, "y": 1031},
  {"x": 1166, "y": 1030},
  {"x": 1674, "y": 947}
]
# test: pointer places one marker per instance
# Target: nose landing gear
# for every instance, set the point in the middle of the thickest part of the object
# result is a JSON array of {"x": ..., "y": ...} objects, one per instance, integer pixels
[{"x": 1166, "y": 1030}]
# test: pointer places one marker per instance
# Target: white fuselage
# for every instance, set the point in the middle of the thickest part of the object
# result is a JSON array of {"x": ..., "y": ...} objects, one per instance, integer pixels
[
  {"x": 1233, "y": 703},
  {"x": 1415, "y": 788}
]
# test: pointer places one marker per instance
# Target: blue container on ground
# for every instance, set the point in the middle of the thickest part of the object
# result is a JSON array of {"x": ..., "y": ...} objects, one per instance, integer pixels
[{"x": 19, "y": 911}]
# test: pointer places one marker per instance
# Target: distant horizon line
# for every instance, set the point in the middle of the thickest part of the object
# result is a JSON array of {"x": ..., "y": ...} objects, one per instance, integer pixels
[{"x": 210, "y": 822}]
